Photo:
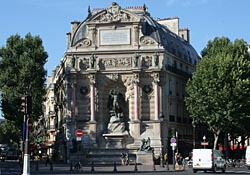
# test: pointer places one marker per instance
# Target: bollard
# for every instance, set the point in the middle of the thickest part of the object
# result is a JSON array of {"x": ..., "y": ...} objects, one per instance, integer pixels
[
  {"x": 161, "y": 161},
  {"x": 154, "y": 169},
  {"x": 115, "y": 169},
  {"x": 135, "y": 170},
  {"x": 71, "y": 166},
  {"x": 51, "y": 166},
  {"x": 167, "y": 166},
  {"x": 92, "y": 167},
  {"x": 37, "y": 166}
]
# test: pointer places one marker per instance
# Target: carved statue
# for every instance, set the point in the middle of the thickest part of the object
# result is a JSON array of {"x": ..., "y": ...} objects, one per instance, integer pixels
[
  {"x": 145, "y": 145},
  {"x": 92, "y": 61},
  {"x": 136, "y": 60},
  {"x": 116, "y": 123},
  {"x": 73, "y": 61},
  {"x": 114, "y": 104},
  {"x": 156, "y": 60}
]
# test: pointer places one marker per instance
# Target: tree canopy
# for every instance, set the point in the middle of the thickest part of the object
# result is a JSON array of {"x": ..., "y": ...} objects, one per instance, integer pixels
[
  {"x": 22, "y": 73},
  {"x": 218, "y": 93}
]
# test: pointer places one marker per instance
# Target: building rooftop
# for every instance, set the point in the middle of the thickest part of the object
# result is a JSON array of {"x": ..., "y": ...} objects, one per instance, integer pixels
[{"x": 150, "y": 27}]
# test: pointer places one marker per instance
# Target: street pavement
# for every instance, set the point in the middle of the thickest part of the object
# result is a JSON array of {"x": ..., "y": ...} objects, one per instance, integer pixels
[{"x": 60, "y": 169}]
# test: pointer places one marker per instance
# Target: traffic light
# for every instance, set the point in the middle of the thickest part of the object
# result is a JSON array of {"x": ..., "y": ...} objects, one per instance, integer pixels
[
  {"x": 23, "y": 104},
  {"x": 29, "y": 104},
  {"x": 26, "y": 104}
]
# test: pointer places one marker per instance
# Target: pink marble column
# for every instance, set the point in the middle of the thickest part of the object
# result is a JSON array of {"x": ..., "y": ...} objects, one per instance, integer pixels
[
  {"x": 92, "y": 102},
  {"x": 156, "y": 78},
  {"x": 92, "y": 97},
  {"x": 156, "y": 94},
  {"x": 73, "y": 101},
  {"x": 136, "y": 112}
]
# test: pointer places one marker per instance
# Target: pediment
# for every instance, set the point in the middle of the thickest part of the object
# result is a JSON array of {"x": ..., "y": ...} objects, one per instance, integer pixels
[
  {"x": 114, "y": 14},
  {"x": 146, "y": 40}
]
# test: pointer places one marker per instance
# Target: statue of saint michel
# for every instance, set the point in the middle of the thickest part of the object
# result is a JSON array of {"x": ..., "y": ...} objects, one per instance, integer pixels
[{"x": 115, "y": 104}]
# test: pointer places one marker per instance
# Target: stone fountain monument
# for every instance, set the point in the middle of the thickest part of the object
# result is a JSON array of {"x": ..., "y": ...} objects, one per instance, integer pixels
[
  {"x": 117, "y": 133},
  {"x": 145, "y": 154}
]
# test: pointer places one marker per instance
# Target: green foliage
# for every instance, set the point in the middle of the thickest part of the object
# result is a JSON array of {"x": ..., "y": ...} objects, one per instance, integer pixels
[
  {"x": 22, "y": 72},
  {"x": 218, "y": 93},
  {"x": 9, "y": 133}
]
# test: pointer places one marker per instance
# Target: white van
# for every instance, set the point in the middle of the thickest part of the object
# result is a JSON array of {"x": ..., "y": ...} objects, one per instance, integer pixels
[
  {"x": 248, "y": 157},
  {"x": 208, "y": 159}
]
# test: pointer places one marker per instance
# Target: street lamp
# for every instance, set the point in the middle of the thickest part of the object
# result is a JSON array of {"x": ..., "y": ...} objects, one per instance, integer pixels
[{"x": 193, "y": 124}]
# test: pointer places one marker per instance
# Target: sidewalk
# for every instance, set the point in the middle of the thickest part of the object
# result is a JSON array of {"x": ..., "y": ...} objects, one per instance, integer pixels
[{"x": 66, "y": 169}]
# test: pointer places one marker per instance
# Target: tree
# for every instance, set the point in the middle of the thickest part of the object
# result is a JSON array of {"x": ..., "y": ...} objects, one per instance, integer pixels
[
  {"x": 22, "y": 73},
  {"x": 218, "y": 93},
  {"x": 9, "y": 133}
]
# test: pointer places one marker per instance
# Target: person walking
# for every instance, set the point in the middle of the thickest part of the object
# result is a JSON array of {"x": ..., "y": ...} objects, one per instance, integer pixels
[{"x": 47, "y": 161}]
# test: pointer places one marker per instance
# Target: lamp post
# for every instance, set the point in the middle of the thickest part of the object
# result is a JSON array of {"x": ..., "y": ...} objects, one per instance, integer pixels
[
  {"x": 27, "y": 108},
  {"x": 204, "y": 140},
  {"x": 193, "y": 124}
]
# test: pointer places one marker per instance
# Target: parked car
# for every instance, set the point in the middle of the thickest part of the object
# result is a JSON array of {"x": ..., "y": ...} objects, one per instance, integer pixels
[
  {"x": 3, "y": 155},
  {"x": 247, "y": 156},
  {"x": 208, "y": 159}
]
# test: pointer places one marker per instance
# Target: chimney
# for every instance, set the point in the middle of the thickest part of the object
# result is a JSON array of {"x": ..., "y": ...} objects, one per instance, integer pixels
[
  {"x": 74, "y": 25},
  {"x": 68, "y": 39}
]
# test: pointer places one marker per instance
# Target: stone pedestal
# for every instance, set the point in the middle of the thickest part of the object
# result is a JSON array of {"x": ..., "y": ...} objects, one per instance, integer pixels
[
  {"x": 116, "y": 140},
  {"x": 144, "y": 158}
]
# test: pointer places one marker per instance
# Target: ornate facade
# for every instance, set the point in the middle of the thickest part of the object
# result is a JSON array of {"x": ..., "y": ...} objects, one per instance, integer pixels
[{"x": 122, "y": 79}]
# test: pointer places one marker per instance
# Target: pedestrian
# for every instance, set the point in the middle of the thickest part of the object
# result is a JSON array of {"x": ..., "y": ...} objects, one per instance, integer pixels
[
  {"x": 179, "y": 160},
  {"x": 123, "y": 158},
  {"x": 78, "y": 165},
  {"x": 165, "y": 158},
  {"x": 126, "y": 159},
  {"x": 47, "y": 161}
]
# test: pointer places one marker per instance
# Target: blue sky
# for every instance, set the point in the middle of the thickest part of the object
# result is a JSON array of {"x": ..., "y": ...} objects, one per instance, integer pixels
[{"x": 50, "y": 19}]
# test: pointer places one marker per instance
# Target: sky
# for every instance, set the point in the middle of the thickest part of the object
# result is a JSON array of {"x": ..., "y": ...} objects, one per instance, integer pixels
[{"x": 50, "y": 19}]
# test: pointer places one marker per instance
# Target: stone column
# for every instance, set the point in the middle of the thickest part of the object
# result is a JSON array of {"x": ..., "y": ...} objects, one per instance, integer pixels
[{"x": 156, "y": 95}]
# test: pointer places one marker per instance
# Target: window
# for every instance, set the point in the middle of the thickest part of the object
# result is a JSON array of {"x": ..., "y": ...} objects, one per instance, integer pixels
[
  {"x": 175, "y": 64},
  {"x": 169, "y": 84},
  {"x": 171, "y": 118}
]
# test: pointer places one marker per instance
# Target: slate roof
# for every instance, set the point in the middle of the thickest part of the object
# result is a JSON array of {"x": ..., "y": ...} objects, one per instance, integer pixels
[{"x": 150, "y": 27}]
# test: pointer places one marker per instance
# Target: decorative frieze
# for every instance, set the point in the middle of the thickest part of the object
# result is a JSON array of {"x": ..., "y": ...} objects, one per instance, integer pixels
[
  {"x": 115, "y": 62},
  {"x": 113, "y": 76}
]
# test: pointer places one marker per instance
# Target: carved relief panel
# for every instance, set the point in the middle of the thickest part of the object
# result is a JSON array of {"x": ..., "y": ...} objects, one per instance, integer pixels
[{"x": 110, "y": 63}]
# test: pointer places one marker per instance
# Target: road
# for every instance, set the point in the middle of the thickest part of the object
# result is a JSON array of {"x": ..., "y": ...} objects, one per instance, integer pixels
[{"x": 59, "y": 169}]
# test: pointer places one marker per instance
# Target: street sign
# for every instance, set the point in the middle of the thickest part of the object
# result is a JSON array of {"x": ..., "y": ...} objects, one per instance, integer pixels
[
  {"x": 78, "y": 138},
  {"x": 204, "y": 143},
  {"x": 40, "y": 139},
  {"x": 173, "y": 144},
  {"x": 79, "y": 133},
  {"x": 173, "y": 140}
]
